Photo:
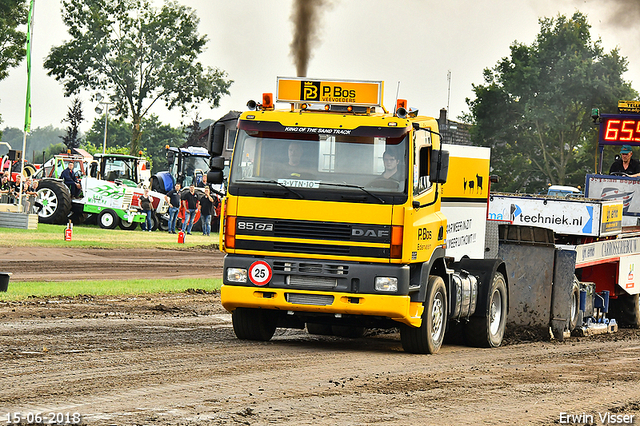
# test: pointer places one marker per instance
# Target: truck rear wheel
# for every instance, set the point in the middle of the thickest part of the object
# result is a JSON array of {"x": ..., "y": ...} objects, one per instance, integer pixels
[
  {"x": 55, "y": 199},
  {"x": 253, "y": 324},
  {"x": 626, "y": 310},
  {"x": 428, "y": 338},
  {"x": 488, "y": 331}
]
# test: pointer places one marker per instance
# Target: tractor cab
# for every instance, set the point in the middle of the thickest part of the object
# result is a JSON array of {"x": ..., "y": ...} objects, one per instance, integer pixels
[{"x": 186, "y": 166}]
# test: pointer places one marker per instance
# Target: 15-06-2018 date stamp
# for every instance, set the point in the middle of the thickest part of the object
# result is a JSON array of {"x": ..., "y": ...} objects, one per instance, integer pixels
[{"x": 45, "y": 418}]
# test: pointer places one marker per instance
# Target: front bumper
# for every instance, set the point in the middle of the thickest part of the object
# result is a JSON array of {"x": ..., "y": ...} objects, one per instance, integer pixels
[{"x": 395, "y": 307}]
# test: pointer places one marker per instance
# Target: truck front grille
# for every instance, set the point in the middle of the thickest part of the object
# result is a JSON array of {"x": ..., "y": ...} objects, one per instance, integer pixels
[
  {"x": 304, "y": 281},
  {"x": 309, "y": 299},
  {"x": 311, "y": 230}
]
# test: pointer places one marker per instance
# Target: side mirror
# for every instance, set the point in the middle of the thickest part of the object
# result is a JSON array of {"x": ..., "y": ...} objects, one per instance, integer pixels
[
  {"x": 215, "y": 176},
  {"x": 217, "y": 163},
  {"x": 439, "y": 166},
  {"x": 216, "y": 139}
]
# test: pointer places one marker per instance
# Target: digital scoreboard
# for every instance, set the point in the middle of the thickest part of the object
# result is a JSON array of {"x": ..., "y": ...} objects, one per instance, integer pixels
[{"x": 619, "y": 129}]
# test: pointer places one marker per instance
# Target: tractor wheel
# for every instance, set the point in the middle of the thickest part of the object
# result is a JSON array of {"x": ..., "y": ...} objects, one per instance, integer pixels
[
  {"x": 626, "y": 310},
  {"x": 108, "y": 219},
  {"x": 127, "y": 226},
  {"x": 29, "y": 170},
  {"x": 154, "y": 223},
  {"x": 428, "y": 338},
  {"x": 254, "y": 324},
  {"x": 56, "y": 202},
  {"x": 163, "y": 224},
  {"x": 487, "y": 331}
]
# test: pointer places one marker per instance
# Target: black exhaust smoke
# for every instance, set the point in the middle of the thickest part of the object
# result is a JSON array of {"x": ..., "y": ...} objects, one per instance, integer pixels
[{"x": 306, "y": 24}]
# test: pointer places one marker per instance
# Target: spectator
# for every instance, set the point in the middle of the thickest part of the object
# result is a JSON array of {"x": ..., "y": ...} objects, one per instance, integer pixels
[
  {"x": 203, "y": 182},
  {"x": 207, "y": 204},
  {"x": 190, "y": 203},
  {"x": 15, "y": 188},
  {"x": 5, "y": 188},
  {"x": 625, "y": 165},
  {"x": 146, "y": 203},
  {"x": 31, "y": 188},
  {"x": 71, "y": 181},
  {"x": 173, "y": 199}
]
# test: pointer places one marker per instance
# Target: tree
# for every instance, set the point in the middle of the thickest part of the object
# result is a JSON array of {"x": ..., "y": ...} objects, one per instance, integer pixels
[
  {"x": 13, "y": 13},
  {"x": 139, "y": 54},
  {"x": 74, "y": 118},
  {"x": 154, "y": 138},
  {"x": 535, "y": 106}
]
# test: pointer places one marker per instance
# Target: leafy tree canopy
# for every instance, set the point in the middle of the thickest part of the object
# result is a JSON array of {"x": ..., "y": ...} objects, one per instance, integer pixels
[
  {"x": 13, "y": 13},
  {"x": 155, "y": 136},
  {"x": 74, "y": 118},
  {"x": 139, "y": 54},
  {"x": 534, "y": 108}
]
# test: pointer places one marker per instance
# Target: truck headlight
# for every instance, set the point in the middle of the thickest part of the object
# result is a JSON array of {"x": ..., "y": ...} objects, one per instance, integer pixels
[
  {"x": 387, "y": 284},
  {"x": 237, "y": 275}
]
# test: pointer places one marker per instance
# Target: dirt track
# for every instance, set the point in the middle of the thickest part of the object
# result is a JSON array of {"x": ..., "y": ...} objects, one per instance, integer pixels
[{"x": 167, "y": 360}]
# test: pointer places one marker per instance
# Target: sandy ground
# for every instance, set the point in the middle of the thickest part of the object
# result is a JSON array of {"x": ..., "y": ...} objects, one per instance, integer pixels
[{"x": 174, "y": 360}]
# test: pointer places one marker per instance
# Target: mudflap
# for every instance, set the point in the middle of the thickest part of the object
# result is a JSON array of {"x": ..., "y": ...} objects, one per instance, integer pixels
[
  {"x": 529, "y": 254},
  {"x": 563, "y": 282}
]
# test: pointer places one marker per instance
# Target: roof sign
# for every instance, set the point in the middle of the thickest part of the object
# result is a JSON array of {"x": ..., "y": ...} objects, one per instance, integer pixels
[
  {"x": 629, "y": 106},
  {"x": 335, "y": 92}
]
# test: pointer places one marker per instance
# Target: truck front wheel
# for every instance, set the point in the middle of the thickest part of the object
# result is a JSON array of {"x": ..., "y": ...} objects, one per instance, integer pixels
[
  {"x": 487, "y": 331},
  {"x": 254, "y": 324},
  {"x": 427, "y": 339}
]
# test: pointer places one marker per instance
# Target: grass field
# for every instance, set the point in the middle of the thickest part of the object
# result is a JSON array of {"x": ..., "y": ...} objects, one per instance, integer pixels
[
  {"x": 96, "y": 237},
  {"x": 26, "y": 290}
]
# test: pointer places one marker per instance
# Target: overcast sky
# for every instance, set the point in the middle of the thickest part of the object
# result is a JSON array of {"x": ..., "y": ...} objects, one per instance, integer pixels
[{"x": 413, "y": 43}]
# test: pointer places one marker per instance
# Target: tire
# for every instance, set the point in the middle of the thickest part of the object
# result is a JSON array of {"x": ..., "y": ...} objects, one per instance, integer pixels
[
  {"x": 347, "y": 331},
  {"x": 253, "y": 324},
  {"x": 156, "y": 185},
  {"x": 29, "y": 170},
  {"x": 154, "y": 223},
  {"x": 124, "y": 225},
  {"x": 108, "y": 219},
  {"x": 488, "y": 331},
  {"x": 319, "y": 329},
  {"x": 56, "y": 202},
  {"x": 428, "y": 338},
  {"x": 626, "y": 310},
  {"x": 575, "y": 305},
  {"x": 163, "y": 225}
]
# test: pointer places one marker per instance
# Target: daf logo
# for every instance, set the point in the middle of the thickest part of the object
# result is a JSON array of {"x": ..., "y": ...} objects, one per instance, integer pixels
[{"x": 359, "y": 232}]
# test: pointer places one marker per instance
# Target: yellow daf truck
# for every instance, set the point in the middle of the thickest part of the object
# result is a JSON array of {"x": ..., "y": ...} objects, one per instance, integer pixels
[{"x": 334, "y": 221}]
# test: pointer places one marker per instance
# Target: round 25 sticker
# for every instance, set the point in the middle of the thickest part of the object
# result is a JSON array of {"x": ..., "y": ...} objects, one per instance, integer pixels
[{"x": 260, "y": 272}]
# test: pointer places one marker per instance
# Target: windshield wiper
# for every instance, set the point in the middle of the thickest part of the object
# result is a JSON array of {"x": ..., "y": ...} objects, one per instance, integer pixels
[
  {"x": 274, "y": 182},
  {"x": 347, "y": 185}
]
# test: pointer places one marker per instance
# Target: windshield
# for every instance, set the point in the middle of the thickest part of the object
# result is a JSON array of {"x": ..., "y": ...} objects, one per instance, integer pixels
[
  {"x": 118, "y": 168},
  {"x": 321, "y": 162},
  {"x": 193, "y": 168}
]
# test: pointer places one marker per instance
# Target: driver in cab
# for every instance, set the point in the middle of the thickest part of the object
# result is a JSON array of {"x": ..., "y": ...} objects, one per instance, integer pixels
[
  {"x": 625, "y": 165},
  {"x": 293, "y": 167}
]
